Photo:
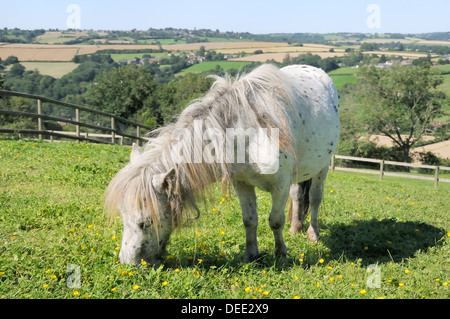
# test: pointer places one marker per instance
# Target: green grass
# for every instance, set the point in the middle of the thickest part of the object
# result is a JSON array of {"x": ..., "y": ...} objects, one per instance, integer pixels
[
  {"x": 211, "y": 65},
  {"x": 51, "y": 217},
  {"x": 445, "y": 87},
  {"x": 343, "y": 75},
  {"x": 344, "y": 71},
  {"x": 340, "y": 80}
]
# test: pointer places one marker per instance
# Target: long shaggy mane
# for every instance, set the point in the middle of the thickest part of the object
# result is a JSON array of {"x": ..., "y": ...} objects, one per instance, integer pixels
[{"x": 258, "y": 99}]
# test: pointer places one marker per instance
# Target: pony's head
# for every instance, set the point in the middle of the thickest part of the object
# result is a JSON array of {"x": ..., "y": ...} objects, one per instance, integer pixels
[{"x": 149, "y": 205}]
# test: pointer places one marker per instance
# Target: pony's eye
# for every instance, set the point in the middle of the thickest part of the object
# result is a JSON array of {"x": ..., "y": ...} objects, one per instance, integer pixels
[{"x": 145, "y": 223}]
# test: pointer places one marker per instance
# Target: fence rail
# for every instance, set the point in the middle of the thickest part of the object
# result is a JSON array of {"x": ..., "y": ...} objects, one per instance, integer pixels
[
  {"x": 382, "y": 170},
  {"x": 113, "y": 132}
]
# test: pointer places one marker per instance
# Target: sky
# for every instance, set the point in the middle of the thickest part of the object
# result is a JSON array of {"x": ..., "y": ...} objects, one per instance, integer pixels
[{"x": 254, "y": 16}]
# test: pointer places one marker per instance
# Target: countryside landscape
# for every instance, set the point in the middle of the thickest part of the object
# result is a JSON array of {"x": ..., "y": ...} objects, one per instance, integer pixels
[
  {"x": 379, "y": 239},
  {"x": 63, "y": 65}
]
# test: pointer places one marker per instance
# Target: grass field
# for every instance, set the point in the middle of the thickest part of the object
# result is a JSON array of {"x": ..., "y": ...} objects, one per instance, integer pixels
[
  {"x": 128, "y": 56},
  {"x": 54, "y": 69},
  {"x": 211, "y": 65},
  {"x": 445, "y": 87},
  {"x": 54, "y": 37},
  {"x": 54, "y": 232},
  {"x": 343, "y": 75}
]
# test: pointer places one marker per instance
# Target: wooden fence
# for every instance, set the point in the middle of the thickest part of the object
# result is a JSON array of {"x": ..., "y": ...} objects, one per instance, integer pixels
[
  {"x": 382, "y": 168},
  {"x": 112, "y": 135}
]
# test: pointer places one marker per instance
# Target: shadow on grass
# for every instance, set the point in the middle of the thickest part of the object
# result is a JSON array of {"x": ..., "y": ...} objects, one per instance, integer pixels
[
  {"x": 370, "y": 241},
  {"x": 379, "y": 241}
]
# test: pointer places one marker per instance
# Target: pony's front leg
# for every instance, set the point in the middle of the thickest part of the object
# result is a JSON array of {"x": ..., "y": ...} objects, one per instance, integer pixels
[
  {"x": 247, "y": 199},
  {"x": 277, "y": 219}
]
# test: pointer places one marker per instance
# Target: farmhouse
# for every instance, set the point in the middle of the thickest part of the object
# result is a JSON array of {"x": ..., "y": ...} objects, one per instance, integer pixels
[
  {"x": 389, "y": 63},
  {"x": 193, "y": 58}
]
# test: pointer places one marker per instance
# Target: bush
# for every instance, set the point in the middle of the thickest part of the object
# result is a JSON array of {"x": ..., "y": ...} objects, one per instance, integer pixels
[{"x": 429, "y": 158}]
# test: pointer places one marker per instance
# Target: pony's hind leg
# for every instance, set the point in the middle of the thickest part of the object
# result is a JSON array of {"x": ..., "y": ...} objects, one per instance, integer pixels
[
  {"x": 247, "y": 199},
  {"x": 315, "y": 198},
  {"x": 299, "y": 205},
  {"x": 277, "y": 219}
]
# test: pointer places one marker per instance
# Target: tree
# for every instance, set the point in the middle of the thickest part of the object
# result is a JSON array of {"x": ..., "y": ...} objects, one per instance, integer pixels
[
  {"x": 122, "y": 91},
  {"x": 368, "y": 46},
  {"x": 17, "y": 70},
  {"x": 2, "y": 83},
  {"x": 11, "y": 60},
  {"x": 399, "y": 102},
  {"x": 201, "y": 52},
  {"x": 328, "y": 64},
  {"x": 178, "y": 93}
]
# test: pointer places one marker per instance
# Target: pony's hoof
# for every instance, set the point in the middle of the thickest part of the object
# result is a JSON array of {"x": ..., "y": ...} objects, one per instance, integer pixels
[
  {"x": 313, "y": 235},
  {"x": 282, "y": 259},
  {"x": 250, "y": 257}
]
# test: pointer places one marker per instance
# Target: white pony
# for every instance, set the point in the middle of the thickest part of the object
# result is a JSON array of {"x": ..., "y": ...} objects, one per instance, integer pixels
[{"x": 298, "y": 104}]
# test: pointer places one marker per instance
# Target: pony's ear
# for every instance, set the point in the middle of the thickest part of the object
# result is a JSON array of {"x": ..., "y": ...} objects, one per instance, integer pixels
[
  {"x": 161, "y": 182},
  {"x": 136, "y": 152}
]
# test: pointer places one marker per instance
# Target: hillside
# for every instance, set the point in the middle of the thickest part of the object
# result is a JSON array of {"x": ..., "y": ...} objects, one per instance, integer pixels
[
  {"x": 54, "y": 232},
  {"x": 63, "y": 46},
  {"x": 71, "y": 60}
]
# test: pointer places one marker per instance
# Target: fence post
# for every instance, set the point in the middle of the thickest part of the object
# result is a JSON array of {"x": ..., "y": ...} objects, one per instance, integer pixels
[
  {"x": 436, "y": 176},
  {"x": 39, "y": 111},
  {"x": 138, "y": 134},
  {"x": 77, "y": 118},
  {"x": 332, "y": 163},
  {"x": 381, "y": 169},
  {"x": 113, "y": 127}
]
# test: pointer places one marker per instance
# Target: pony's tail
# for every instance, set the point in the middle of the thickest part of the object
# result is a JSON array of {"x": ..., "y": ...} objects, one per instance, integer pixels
[{"x": 304, "y": 205}]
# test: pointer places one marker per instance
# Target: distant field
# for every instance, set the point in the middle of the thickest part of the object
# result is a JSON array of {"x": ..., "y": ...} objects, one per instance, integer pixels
[
  {"x": 405, "y": 55},
  {"x": 340, "y": 80},
  {"x": 408, "y": 40},
  {"x": 278, "y": 57},
  {"x": 445, "y": 87},
  {"x": 444, "y": 68},
  {"x": 210, "y": 65},
  {"x": 344, "y": 71},
  {"x": 342, "y": 76},
  {"x": 40, "y": 55},
  {"x": 54, "y": 69},
  {"x": 45, "y": 52},
  {"x": 222, "y": 46},
  {"x": 282, "y": 48},
  {"x": 54, "y": 37},
  {"x": 128, "y": 56},
  {"x": 278, "y": 52}
]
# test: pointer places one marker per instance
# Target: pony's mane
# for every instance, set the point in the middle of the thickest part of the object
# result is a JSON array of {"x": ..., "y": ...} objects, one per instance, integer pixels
[{"x": 258, "y": 99}]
